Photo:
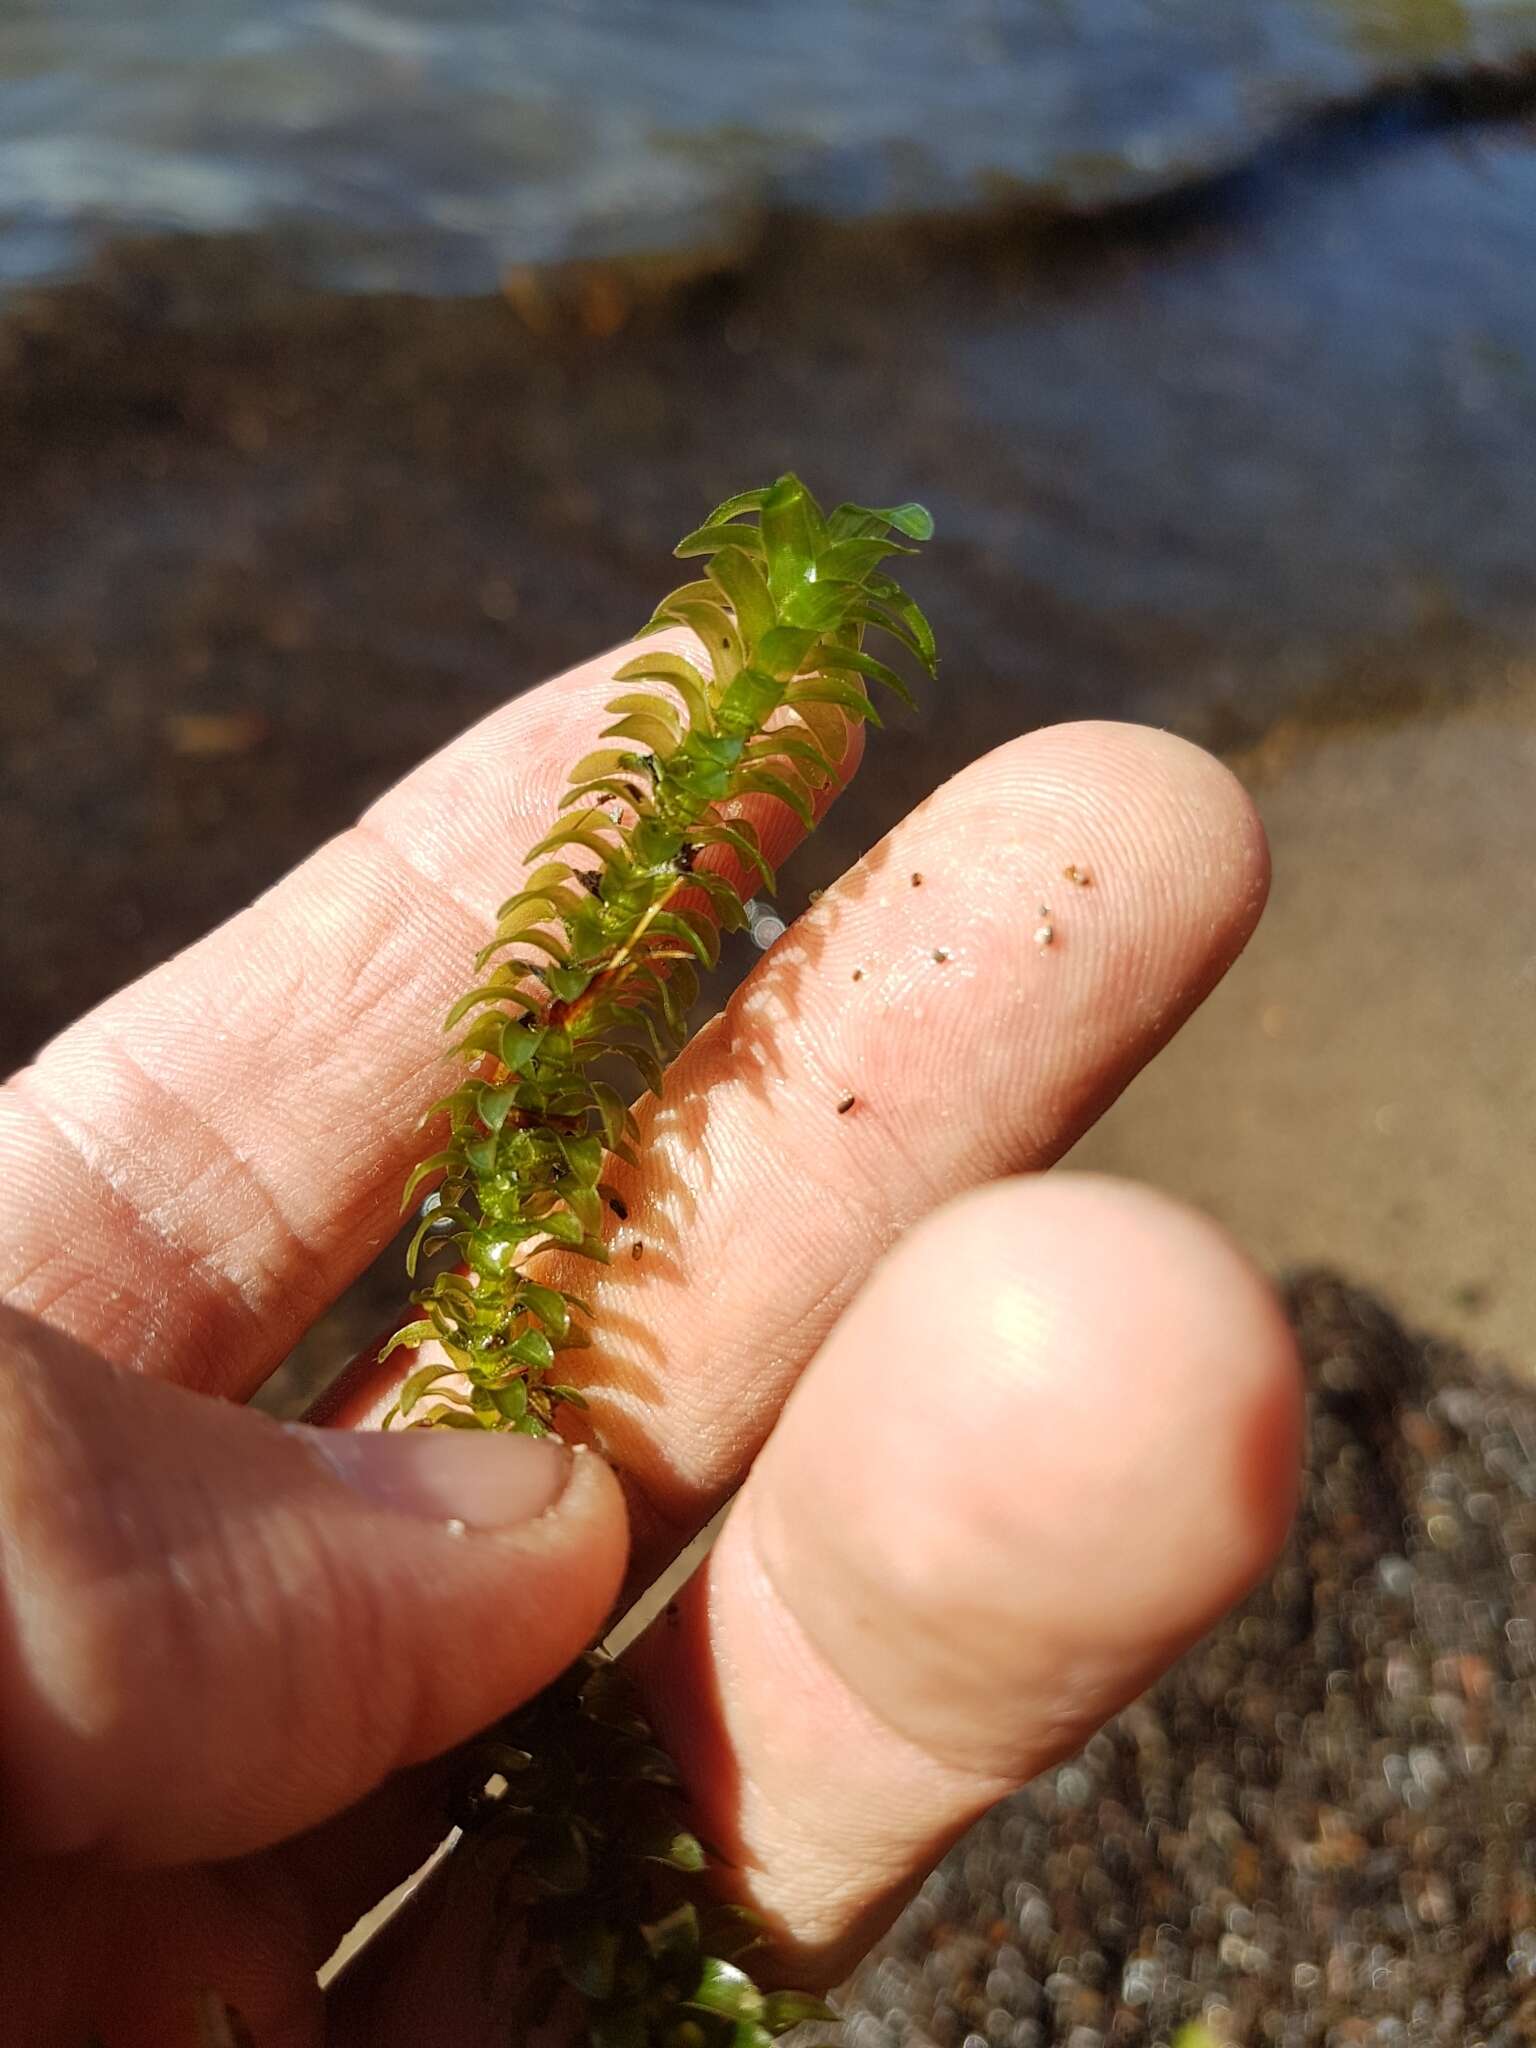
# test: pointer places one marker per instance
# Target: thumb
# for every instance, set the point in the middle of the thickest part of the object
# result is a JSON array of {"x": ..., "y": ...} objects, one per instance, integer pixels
[{"x": 216, "y": 1630}]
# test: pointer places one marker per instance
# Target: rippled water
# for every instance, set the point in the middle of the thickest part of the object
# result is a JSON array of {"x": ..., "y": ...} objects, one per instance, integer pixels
[{"x": 434, "y": 143}]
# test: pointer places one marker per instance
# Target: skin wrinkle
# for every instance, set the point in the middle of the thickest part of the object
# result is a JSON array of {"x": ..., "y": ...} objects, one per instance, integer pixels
[
  {"x": 288, "y": 1255},
  {"x": 822, "y": 1903},
  {"x": 221, "y": 1302},
  {"x": 983, "y": 1786},
  {"x": 471, "y": 912},
  {"x": 400, "y": 971}
]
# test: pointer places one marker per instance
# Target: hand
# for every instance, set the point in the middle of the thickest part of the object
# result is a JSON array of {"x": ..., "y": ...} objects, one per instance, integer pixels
[{"x": 1017, "y": 1441}]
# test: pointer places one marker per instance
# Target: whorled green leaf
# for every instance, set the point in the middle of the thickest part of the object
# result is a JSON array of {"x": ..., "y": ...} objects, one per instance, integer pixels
[
  {"x": 785, "y": 2009},
  {"x": 745, "y": 590},
  {"x": 716, "y": 629},
  {"x": 678, "y": 1848},
  {"x": 834, "y": 690},
  {"x": 681, "y": 675},
  {"x": 708, "y": 540},
  {"x": 854, "y": 661},
  {"x": 726, "y": 1988},
  {"x": 647, "y": 704}
]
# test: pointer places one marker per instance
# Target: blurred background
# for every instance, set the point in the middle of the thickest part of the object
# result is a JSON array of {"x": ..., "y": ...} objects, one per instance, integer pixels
[{"x": 359, "y": 364}]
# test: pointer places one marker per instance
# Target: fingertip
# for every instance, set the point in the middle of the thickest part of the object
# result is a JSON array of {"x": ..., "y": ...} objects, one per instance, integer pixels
[
  {"x": 1178, "y": 813},
  {"x": 1062, "y": 1429},
  {"x": 1169, "y": 1388}
]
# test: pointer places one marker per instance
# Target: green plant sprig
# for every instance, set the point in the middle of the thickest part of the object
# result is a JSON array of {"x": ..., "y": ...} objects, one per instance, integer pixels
[
  {"x": 596, "y": 965},
  {"x": 576, "y": 1815}
]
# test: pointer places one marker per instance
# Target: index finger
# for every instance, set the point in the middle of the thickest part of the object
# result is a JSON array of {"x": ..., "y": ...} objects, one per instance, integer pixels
[{"x": 197, "y": 1168}]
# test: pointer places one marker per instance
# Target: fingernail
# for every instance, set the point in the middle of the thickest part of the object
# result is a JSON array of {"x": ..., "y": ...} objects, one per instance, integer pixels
[{"x": 440, "y": 1475}]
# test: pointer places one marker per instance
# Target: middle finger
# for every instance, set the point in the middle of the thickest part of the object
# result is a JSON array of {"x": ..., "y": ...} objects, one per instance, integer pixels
[{"x": 960, "y": 1006}]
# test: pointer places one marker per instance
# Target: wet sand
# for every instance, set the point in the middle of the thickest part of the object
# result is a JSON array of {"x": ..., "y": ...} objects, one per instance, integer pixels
[{"x": 1362, "y": 1090}]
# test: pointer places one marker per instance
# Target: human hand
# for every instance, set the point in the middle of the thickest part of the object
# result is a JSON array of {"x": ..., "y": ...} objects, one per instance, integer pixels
[{"x": 1029, "y": 1455}]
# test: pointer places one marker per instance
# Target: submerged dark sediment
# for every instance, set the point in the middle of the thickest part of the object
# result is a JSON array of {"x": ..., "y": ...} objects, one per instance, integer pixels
[{"x": 1317, "y": 1832}]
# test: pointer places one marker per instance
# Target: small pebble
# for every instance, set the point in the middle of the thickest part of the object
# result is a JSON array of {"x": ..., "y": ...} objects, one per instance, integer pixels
[
  {"x": 846, "y": 1104},
  {"x": 940, "y": 955},
  {"x": 1079, "y": 876},
  {"x": 1045, "y": 935},
  {"x": 637, "y": 1248},
  {"x": 917, "y": 881},
  {"x": 454, "y": 1527}
]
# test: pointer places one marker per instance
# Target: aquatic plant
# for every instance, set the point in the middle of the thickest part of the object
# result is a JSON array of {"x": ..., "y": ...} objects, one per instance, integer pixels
[{"x": 591, "y": 973}]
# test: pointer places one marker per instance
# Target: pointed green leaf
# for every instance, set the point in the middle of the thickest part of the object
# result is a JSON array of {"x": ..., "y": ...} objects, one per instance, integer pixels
[
  {"x": 706, "y": 540},
  {"x": 548, "y": 1304},
  {"x": 488, "y": 992},
  {"x": 677, "y": 1934},
  {"x": 850, "y": 561},
  {"x": 604, "y": 761},
  {"x": 763, "y": 782},
  {"x": 785, "y": 2009},
  {"x": 727, "y": 1989},
  {"x": 593, "y": 829},
  {"x": 411, "y": 1337},
  {"x": 423, "y": 1170},
  {"x": 531, "y": 1348},
  {"x": 695, "y": 932},
  {"x": 716, "y": 629},
  {"x": 833, "y": 690},
  {"x": 654, "y": 734},
  {"x": 834, "y": 659},
  {"x": 681, "y": 674},
  {"x": 916, "y": 521},
  {"x": 511, "y": 1400},
  {"x": 886, "y": 590},
  {"x": 744, "y": 501},
  {"x": 612, "y": 1110},
  {"x": 746, "y": 590},
  {"x": 648, "y": 705},
  {"x": 793, "y": 530},
  {"x": 751, "y": 698},
  {"x": 741, "y": 837},
  {"x": 520, "y": 911},
  {"x": 701, "y": 592},
  {"x": 675, "y": 1847}
]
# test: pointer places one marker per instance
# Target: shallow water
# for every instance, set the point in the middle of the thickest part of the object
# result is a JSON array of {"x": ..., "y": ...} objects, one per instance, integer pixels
[{"x": 433, "y": 144}]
